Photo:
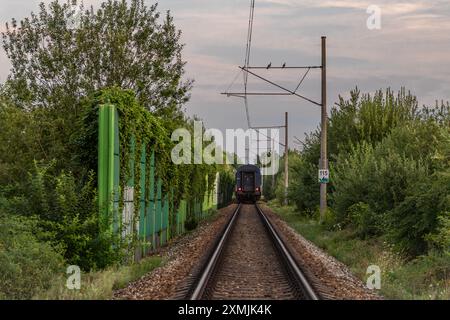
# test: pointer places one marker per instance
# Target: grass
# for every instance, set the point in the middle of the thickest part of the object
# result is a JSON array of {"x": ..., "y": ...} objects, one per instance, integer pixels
[
  {"x": 99, "y": 285},
  {"x": 426, "y": 277}
]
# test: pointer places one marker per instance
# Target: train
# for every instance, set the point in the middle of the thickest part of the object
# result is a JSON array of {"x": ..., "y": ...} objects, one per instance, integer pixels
[{"x": 248, "y": 184}]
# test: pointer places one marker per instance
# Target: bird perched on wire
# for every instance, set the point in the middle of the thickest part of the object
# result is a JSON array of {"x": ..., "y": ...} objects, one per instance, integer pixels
[
  {"x": 269, "y": 65},
  {"x": 284, "y": 65}
]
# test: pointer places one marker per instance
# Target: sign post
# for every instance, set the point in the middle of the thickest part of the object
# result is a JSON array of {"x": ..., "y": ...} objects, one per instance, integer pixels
[{"x": 324, "y": 176}]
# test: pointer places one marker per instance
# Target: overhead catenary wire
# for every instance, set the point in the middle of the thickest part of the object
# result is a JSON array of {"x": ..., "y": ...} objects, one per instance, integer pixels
[
  {"x": 247, "y": 65},
  {"x": 266, "y": 136},
  {"x": 249, "y": 40},
  {"x": 322, "y": 104},
  {"x": 280, "y": 87},
  {"x": 301, "y": 81},
  {"x": 234, "y": 80},
  {"x": 245, "y": 95},
  {"x": 247, "y": 57}
]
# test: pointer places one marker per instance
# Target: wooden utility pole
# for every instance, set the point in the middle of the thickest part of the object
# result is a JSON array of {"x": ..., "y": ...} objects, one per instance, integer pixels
[
  {"x": 323, "y": 134},
  {"x": 286, "y": 160}
]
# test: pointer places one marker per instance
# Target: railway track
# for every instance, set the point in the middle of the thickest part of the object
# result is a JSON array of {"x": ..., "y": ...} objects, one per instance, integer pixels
[{"x": 250, "y": 261}]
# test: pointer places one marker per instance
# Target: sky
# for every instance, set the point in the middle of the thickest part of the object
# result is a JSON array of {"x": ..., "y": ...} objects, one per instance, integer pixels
[{"x": 411, "y": 49}]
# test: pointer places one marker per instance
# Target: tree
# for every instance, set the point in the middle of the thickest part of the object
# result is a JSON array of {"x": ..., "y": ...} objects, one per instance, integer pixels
[
  {"x": 55, "y": 65},
  {"x": 366, "y": 118}
]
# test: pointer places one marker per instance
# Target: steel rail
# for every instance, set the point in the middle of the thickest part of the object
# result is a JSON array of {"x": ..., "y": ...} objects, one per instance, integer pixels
[
  {"x": 305, "y": 286},
  {"x": 208, "y": 271}
]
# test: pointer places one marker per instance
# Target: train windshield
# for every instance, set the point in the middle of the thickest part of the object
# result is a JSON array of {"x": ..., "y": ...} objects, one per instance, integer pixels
[{"x": 248, "y": 181}]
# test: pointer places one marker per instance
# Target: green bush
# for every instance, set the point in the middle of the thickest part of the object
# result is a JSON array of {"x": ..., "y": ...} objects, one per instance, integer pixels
[
  {"x": 365, "y": 222},
  {"x": 27, "y": 264},
  {"x": 369, "y": 118},
  {"x": 389, "y": 166},
  {"x": 374, "y": 176},
  {"x": 441, "y": 239},
  {"x": 328, "y": 220},
  {"x": 67, "y": 210},
  {"x": 304, "y": 188},
  {"x": 425, "y": 277},
  {"x": 303, "y": 185},
  {"x": 415, "y": 220}
]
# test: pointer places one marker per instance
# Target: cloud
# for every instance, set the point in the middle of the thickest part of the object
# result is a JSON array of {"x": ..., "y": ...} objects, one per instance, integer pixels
[{"x": 412, "y": 49}]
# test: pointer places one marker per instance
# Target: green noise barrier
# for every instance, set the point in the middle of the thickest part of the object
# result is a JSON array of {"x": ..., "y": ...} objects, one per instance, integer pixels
[{"x": 158, "y": 218}]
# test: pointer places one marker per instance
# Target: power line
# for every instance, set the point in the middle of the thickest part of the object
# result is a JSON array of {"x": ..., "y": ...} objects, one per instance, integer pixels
[
  {"x": 301, "y": 81},
  {"x": 280, "y": 87},
  {"x": 234, "y": 80},
  {"x": 247, "y": 56}
]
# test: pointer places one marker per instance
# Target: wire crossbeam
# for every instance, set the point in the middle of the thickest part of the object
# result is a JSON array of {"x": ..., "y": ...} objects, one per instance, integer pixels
[
  {"x": 241, "y": 94},
  {"x": 280, "y": 87},
  {"x": 246, "y": 69},
  {"x": 302, "y": 67},
  {"x": 301, "y": 81},
  {"x": 259, "y": 132}
]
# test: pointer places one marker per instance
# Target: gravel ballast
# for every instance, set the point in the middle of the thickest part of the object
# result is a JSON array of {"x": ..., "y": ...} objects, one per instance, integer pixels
[
  {"x": 181, "y": 257},
  {"x": 331, "y": 278},
  {"x": 185, "y": 255}
]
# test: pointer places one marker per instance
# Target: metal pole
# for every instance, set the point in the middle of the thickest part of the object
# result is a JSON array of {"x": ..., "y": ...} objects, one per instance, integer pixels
[
  {"x": 323, "y": 135},
  {"x": 263, "y": 171},
  {"x": 286, "y": 161},
  {"x": 273, "y": 173},
  {"x": 247, "y": 154}
]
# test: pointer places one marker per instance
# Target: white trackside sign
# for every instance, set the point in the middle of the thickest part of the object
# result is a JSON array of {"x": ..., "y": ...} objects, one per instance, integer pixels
[{"x": 324, "y": 176}]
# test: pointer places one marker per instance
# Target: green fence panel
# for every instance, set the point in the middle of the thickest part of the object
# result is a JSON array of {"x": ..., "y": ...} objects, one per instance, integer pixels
[
  {"x": 151, "y": 203},
  {"x": 116, "y": 183},
  {"x": 158, "y": 219},
  {"x": 167, "y": 216},
  {"x": 184, "y": 217},
  {"x": 143, "y": 191},
  {"x": 172, "y": 216},
  {"x": 164, "y": 218},
  {"x": 128, "y": 195},
  {"x": 108, "y": 163},
  {"x": 181, "y": 217},
  {"x": 198, "y": 209},
  {"x": 205, "y": 200}
]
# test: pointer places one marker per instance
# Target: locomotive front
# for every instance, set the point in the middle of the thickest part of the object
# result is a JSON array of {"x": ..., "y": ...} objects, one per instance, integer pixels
[{"x": 248, "y": 183}]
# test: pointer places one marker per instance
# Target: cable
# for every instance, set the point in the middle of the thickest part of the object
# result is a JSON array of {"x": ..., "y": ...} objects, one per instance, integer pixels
[
  {"x": 304, "y": 76},
  {"x": 232, "y": 82},
  {"x": 259, "y": 132},
  {"x": 247, "y": 57},
  {"x": 249, "y": 39}
]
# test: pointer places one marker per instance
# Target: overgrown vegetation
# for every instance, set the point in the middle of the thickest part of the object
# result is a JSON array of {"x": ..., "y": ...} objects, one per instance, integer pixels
[
  {"x": 141, "y": 135},
  {"x": 424, "y": 277},
  {"x": 390, "y": 159},
  {"x": 390, "y": 179},
  {"x": 99, "y": 285},
  {"x": 123, "y": 53},
  {"x": 390, "y": 171},
  {"x": 27, "y": 264}
]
